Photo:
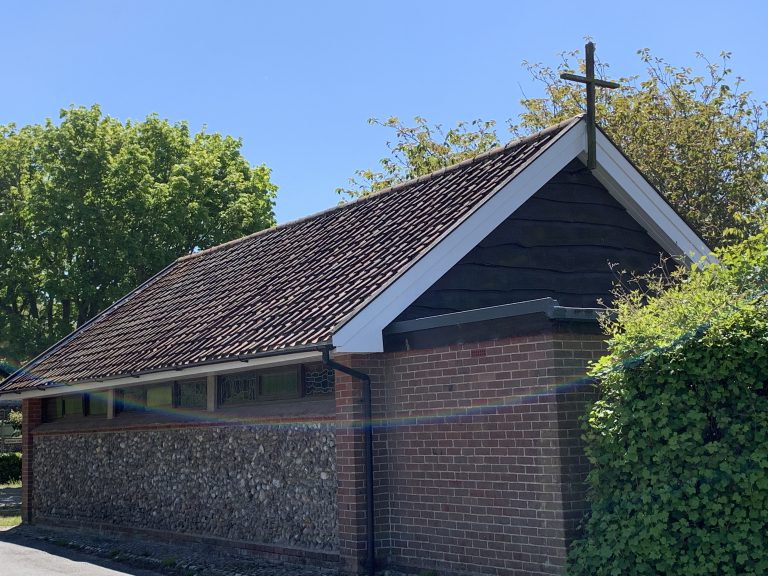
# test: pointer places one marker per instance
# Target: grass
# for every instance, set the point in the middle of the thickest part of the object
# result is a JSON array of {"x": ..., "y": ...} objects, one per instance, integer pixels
[
  {"x": 14, "y": 519},
  {"x": 9, "y": 521}
]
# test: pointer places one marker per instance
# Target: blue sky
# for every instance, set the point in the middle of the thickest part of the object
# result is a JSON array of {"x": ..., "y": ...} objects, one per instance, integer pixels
[{"x": 298, "y": 80}]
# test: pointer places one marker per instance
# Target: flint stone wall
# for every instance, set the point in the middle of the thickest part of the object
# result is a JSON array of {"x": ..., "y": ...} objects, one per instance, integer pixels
[{"x": 273, "y": 485}]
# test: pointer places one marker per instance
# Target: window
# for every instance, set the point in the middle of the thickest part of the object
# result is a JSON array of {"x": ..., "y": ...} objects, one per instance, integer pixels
[
  {"x": 159, "y": 395},
  {"x": 133, "y": 399},
  {"x": 96, "y": 404},
  {"x": 282, "y": 384},
  {"x": 53, "y": 408},
  {"x": 70, "y": 405},
  {"x": 191, "y": 394},
  {"x": 254, "y": 386},
  {"x": 238, "y": 389},
  {"x": 318, "y": 380},
  {"x": 73, "y": 405}
]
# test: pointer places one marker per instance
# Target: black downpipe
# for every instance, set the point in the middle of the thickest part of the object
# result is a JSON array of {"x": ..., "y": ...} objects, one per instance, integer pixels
[{"x": 370, "y": 561}]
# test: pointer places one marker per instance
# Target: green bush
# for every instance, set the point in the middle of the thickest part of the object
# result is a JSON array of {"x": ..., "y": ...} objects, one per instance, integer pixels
[
  {"x": 10, "y": 467},
  {"x": 15, "y": 418},
  {"x": 679, "y": 437}
]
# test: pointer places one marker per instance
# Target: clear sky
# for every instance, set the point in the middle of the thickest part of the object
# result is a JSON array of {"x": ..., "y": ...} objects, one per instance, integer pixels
[{"x": 298, "y": 80}]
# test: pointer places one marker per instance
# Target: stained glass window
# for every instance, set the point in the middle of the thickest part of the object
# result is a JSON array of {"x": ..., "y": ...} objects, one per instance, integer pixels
[
  {"x": 133, "y": 399},
  {"x": 255, "y": 386},
  {"x": 318, "y": 379},
  {"x": 240, "y": 388},
  {"x": 192, "y": 394}
]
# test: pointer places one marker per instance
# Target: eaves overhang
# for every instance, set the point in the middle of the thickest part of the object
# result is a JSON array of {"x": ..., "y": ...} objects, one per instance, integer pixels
[{"x": 266, "y": 360}]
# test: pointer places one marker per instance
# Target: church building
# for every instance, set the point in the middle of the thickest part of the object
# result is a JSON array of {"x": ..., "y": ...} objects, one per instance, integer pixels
[{"x": 395, "y": 382}]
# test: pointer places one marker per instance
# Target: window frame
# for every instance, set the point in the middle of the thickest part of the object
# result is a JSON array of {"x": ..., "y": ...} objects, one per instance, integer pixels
[
  {"x": 88, "y": 405},
  {"x": 295, "y": 369},
  {"x": 177, "y": 384},
  {"x": 298, "y": 371}
]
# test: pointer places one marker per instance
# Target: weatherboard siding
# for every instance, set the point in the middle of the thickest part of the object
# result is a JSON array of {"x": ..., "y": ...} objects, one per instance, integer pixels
[{"x": 561, "y": 243}]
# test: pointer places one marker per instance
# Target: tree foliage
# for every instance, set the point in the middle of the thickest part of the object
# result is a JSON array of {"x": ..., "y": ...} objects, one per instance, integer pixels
[
  {"x": 679, "y": 438},
  {"x": 15, "y": 418},
  {"x": 90, "y": 207},
  {"x": 697, "y": 135},
  {"x": 10, "y": 467},
  {"x": 421, "y": 149}
]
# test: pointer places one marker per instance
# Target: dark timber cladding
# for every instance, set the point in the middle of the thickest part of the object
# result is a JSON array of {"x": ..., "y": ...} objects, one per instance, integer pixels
[{"x": 561, "y": 243}]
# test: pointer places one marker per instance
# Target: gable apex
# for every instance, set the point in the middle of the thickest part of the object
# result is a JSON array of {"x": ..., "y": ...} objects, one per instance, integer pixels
[{"x": 361, "y": 331}]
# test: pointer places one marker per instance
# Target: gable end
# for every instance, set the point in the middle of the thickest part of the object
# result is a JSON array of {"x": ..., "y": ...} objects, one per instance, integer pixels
[{"x": 567, "y": 242}]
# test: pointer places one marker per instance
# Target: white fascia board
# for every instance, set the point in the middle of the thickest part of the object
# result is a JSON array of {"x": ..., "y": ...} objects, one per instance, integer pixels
[
  {"x": 363, "y": 331},
  {"x": 166, "y": 375},
  {"x": 628, "y": 186}
]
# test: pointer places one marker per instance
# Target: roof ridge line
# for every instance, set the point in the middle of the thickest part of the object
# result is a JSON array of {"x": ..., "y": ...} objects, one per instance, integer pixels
[
  {"x": 440, "y": 171},
  {"x": 562, "y": 127}
]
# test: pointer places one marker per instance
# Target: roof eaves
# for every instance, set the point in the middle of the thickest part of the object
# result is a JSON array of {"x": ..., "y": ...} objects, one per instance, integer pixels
[
  {"x": 655, "y": 189},
  {"x": 175, "y": 370},
  {"x": 108, "y": 310}
]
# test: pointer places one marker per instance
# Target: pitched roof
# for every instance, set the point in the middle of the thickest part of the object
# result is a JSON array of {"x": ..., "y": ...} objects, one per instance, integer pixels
[{"x": 287, "y": 287}]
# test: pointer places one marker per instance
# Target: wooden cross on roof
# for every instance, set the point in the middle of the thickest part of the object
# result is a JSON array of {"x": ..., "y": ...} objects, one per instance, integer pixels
[{"x": 591, "y": 82}]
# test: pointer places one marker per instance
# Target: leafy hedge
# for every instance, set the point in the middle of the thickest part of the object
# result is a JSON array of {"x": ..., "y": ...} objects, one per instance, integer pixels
[
  {"x": 679, "y": 438},
  {"x": 10, "y": 467}
]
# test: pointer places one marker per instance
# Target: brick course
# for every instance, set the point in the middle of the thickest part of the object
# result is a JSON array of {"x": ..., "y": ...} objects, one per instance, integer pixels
[{"x": 33, "y": 415}]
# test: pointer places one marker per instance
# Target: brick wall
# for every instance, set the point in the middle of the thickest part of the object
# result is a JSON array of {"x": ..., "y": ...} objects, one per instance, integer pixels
[
  {"x": 32, "y": 410},
  {"x": 478, "y": 458},
  {"x": 350, "y": 464},
  {"x": 572, "y": 355}
]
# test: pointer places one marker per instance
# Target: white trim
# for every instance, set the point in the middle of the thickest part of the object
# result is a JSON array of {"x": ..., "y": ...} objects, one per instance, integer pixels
[
  {"x": 210, "y": 396},
  {"x": 204, "y": 370},
  {"x": 645, "y": 205},
  {"x": 110, "y": 404},
  {"x": 362, "y": 332}
]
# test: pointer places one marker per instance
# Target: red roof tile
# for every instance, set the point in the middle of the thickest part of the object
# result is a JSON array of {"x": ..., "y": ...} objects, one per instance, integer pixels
[{"x": 285, "y": 287}]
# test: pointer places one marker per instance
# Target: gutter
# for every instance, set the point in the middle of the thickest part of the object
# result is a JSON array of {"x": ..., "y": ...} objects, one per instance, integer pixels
[{"x": 370, "y": 560}]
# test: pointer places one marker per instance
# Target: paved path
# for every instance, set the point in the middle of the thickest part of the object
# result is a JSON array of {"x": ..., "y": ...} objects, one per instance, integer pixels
[
  {"x": 48, "y": 551},
  {"x": 18, "y": 560}
]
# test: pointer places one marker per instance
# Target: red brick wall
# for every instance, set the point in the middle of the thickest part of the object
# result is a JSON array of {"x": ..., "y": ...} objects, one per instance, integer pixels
[
  {"x": 350, "y": 464},
  {"x": 32, "y": 410},
  {"x": 472, "y": 444},
  {"x": 572, "y": 354}
]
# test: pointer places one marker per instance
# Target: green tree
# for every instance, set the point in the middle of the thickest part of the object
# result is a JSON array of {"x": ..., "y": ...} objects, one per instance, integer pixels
[
  {"x": 697, "y": 135},
  {"x": 678, "y": 439},
  {"x": 421, "y": 149},
  {"x": 15, "y": 418},
  {"x": 90, "y": 207}
]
